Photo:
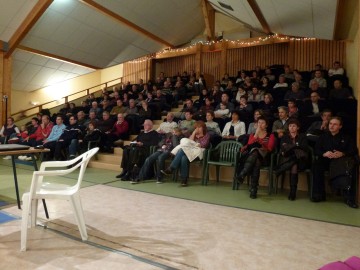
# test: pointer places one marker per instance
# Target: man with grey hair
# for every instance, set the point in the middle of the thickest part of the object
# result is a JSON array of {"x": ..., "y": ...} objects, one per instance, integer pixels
[
  {"x": 295, "y": 92},
  {"x": 280, "y": 126},
  {"x": 134, "y": 154},
  {"x": 168, "y": 125}
]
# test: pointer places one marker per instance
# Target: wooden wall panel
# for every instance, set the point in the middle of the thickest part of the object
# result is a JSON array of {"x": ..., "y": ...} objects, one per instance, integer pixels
[
  {"x": 133, "y": 71},
  {"x": 300, "y": 54},
  {"x": 308, "y": 53},
  {"x": 210, "y": 66},
  {"x": 171, "y": 66},
  {"x": 249, "y": 57}
]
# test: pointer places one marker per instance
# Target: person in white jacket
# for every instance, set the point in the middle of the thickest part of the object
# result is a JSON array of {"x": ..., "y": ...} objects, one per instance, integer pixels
[{"x": 234, "y": 128}]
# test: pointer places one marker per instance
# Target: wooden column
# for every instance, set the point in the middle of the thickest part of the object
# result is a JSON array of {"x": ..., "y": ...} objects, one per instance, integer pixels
[
  {"x": 198, "y": 60},
  {"x": 223, "y": 63},
  {"x": 5, "y": 87}
]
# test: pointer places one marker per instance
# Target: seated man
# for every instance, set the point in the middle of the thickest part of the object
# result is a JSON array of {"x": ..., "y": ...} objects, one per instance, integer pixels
[
  {"x": 120, "y": 131},
  {"x": 314, "y": 88},
  {"x": 339, "y": 92},
  {"x": 50, "y": 142},
  {"x": 187, "y": 125},
  {"x": 189, "y": 105},
  {"x": 319, "y": 78},
  {"x": 105, "y": 125},
  {"x": 135, "y": 153},
  {"x": 318, "y": 128},
  {"x": 314, "y": 106},
  {"x": 280, "y": 126},
  {"x": 169, "y": 141},
  {"x": 335, "y": 152},
  {"x": 72, "y": 132},
  {"x": 295, "y": 92},
  {"x": 168, "y": 125}
]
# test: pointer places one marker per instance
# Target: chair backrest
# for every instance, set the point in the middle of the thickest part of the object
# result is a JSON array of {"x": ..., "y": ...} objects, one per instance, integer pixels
[
  {"x": 81, "y": 161},
  {"x": 228, "y": 150}
]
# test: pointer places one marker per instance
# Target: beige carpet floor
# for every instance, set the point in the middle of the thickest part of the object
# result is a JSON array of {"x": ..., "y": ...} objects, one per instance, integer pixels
[{"x": 146, "y": 231}]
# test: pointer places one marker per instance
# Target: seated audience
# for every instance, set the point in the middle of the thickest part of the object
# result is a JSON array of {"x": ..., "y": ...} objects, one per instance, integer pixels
[
  {"x": 41, "y": 133},
  {"x": 318, "y": 128},
  {"x": 339, "y": 92},
  {"x": 234, "y": 128},
  {"x": 280, "y": 126},
  {"x": 187, "y": 125},
  {"x": 119, "y": 131},
  {"x": 169, "y": 125},
  {"x": 92, "y": 135},
  {"x": 282, "y": 82},
  {"x": 188, "y": 150},
  {"x": 253, "y": 126},
  {"x": 314, "y": 88},
  {"x": 8, "y": 130},
  {"x": 169, "y": 141},
  {"x": 253, "y": 155},
  {"x": 135, "y": 153},
  {"x": 319, "y": 78},
  {"x": 56, "y": 131},
  {"x": 295, "y": 92},
  {"x": 314, "y": 106},
  {"x": 255, "y": 95},
  {"x": 72, "y": 132},
  {"x": 267, "y": 106},
  {"x": 335, "y": 151},
  {"x": 293, "y": 155},
  {"x": 336, "y": 69},
  {"x": 119, "y": 108},
  {"x": 293, "y": 109}
]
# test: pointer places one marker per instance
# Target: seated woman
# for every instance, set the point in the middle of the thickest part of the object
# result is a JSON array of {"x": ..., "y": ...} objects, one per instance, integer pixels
[
  {"x": 8, "y": 130},
  {"x": 189, "y": 150},
  {"x": 253, "y": 126},
  {"x": 293, "y": 155},
  {"x": 259, "y": 145},
  {"x": 235, "y": 128},
  {"x": 93, "y": 134}
]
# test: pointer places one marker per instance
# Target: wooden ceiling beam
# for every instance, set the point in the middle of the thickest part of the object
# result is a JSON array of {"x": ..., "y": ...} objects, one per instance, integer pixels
[
  {"x": 209, "y": 17},
  {"x": 30, "y": 20},
  {"x": 120, "y": 19},
  {"x": 4, "y": 46},
  {"x": 57, "y": 57},
  {"x": 254, "y": 6}
]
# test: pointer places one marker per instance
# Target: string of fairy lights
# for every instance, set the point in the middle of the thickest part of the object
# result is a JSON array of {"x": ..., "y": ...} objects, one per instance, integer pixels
[{"x": 233, "y": 42}]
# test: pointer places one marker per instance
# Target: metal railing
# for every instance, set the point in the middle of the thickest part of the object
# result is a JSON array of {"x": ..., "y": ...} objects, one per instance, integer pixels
[{"x": 26, "y": 113}]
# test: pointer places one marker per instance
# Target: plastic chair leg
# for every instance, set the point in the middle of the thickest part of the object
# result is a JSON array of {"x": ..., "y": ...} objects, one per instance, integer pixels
[
  {"x": 217, "y": 173},
  {"x": 33, "y": 212},
  {"x": 24, "y": 221},
  {"x": 79, "y": 215}
]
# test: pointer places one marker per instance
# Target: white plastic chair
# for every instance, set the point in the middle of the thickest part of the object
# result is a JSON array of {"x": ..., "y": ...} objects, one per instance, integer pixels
[{"x": 47, "y": 190}]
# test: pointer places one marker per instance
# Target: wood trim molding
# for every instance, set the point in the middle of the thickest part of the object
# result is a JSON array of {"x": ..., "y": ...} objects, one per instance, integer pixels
[
  {"x": 120, "y": 19},
  {"x": 259, "y": 15},
  {"x": 30, "y": 20},
  {"x": 57, "y": 57}
]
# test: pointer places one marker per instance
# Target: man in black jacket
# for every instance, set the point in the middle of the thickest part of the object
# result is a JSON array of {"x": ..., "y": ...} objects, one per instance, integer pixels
[
  {"x": 71, "y": 132},
  {"x": 134, "y": 155},
  {"x": 334, "y": 147}
]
